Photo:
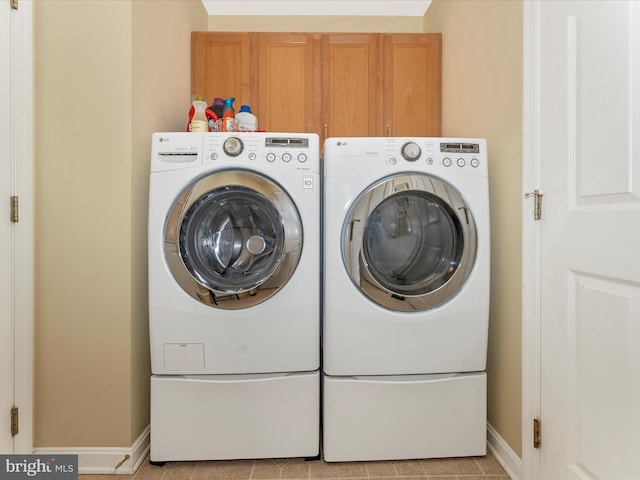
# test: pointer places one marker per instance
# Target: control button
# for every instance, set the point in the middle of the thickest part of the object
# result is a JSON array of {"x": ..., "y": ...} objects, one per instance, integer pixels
[
  {"x": 252, "y": 156},
  {"x": 393, "y": 160},
  {"x": 446, "y": 161},
  {"x": 286, "y": 157},
  {"x": 475, "y": 163},
  {"x": 233, "y": 146},
  {"x": 302, "y": 157},
  {"x": 271, "y": 157},
  {"x": 214, "y": 156},
  {"x": 429, "y": 161},
  {"x": 411, "y": 151},
  {"x": 461, "y": 162}
]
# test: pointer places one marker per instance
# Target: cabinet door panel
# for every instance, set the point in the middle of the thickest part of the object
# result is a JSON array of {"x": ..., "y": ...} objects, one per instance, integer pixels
[
  {"x": 221, "y": 66},
  {"x": 412, "y": 84},
  {"x": 351, "y": 85},
  {"x": 286, "y": 83}
]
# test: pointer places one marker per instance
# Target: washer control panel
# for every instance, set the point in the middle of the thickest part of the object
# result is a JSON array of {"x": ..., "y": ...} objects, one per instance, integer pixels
[{"x": 271, "y": 149}]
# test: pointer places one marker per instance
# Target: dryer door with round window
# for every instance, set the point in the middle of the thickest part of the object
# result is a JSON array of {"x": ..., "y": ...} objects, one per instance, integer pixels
[
  {"x": 233, "y": 239},
  {"x": 409, "y": 242}
]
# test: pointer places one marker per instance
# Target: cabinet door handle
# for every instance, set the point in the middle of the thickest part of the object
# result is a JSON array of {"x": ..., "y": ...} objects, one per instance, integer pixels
[
  {"x": 325, "y": 131},
  {"x": 388, "y": 130},
  {"x": 308, "y": 128}
]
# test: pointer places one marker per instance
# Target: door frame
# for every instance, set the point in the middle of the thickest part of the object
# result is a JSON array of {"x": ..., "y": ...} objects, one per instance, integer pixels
[
  {"x": 21, "y": 134},
  {"x": 531, "y": 256}
]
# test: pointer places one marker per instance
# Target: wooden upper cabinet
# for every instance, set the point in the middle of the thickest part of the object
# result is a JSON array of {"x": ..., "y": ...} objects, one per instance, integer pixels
[
  {"x": 332, "y": 84},
  {"x": 221, "y": 66},
  {"x": 412, "y": 84},
  {"x": 287, "y": 83},
  {"x": 351, "y": 80}
]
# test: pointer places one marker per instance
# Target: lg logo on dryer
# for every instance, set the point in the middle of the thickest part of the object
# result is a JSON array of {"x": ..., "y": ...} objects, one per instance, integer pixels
[{"x": 341, "y": 144}]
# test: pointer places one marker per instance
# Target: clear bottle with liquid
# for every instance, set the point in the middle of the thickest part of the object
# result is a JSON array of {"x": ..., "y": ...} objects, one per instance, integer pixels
[{"x": 199, "y": 121}]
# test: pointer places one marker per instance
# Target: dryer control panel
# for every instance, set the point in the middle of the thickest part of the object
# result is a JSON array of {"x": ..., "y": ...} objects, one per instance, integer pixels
[
  {"x": 454, "y": 154},
  {"x": 440, "y": 155}
]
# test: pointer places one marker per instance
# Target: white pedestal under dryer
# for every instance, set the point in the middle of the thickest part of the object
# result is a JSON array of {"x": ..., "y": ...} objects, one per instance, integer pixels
[
  {"x": 406, "y": 298},
  {"x": 234, "y": 309}
]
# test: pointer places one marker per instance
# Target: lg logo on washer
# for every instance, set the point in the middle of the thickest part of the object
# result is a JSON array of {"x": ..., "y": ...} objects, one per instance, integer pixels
[{"x": 341, "y": 144}]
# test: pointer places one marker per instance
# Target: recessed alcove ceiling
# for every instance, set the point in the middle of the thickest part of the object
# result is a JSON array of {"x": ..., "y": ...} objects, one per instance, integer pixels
[{"x": 400, "y": 8}]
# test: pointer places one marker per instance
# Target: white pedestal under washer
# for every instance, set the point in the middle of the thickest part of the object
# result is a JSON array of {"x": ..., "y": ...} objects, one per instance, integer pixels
[
  {"x": 406, "y": 298},
  {"x": 234, "y": 269}
]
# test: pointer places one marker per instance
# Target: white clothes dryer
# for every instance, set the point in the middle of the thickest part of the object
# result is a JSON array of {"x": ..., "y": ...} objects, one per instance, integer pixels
[
  {"x": 406, "y": 298},
  {"x": 234, "y": 310}
]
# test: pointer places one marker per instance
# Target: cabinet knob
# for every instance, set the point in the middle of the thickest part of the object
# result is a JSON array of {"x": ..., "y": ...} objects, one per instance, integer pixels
[
  {"x": 326, "y": 128},
  {"x": 388, "y": 130},
  {"x": 308, "y": 128}
]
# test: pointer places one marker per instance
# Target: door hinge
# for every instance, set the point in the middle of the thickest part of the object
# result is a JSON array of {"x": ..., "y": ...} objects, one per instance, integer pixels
[
  {"x": 537, "y": 203},
  {"x": 536, "y": 433},
  {"x": 14, "y": 4},
  {"x": 14, "y": 422},
  {"x": 15, "y": 209}
]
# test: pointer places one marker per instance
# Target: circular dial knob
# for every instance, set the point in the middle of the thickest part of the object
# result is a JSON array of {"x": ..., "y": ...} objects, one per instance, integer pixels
[
  {"x": 233, "y": 146},
  {"x": 411, "y": 151}
]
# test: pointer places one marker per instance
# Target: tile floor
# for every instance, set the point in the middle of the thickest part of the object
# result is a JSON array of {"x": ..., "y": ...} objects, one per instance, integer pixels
[{"x": 468, "y": 468}]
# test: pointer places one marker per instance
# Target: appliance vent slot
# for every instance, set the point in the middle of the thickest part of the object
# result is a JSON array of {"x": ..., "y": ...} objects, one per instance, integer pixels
[{"x": 178, "y": 157}]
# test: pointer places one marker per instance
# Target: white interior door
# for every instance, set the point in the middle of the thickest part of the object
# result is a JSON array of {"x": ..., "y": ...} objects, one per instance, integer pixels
[
  {"x": 589, "y": 158},
  {"x": 16, "y": 239},
  {"x": 6, "y": 301}
]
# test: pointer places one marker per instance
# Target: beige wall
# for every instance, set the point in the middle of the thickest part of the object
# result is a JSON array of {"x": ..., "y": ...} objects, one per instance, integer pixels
[
  {"x": 161, "y": 101},
  {"x": 106, "y": 74},
  {"x": 482, "y": 96}
]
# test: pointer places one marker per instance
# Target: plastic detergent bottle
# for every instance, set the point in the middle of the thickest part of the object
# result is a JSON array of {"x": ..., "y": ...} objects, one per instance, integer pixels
[
  {"x": 247, "y": 121},
  {"x": 228, "y": 116},
  {"x": 199, "y": 121},
  {"x": 218, "y": 106}
]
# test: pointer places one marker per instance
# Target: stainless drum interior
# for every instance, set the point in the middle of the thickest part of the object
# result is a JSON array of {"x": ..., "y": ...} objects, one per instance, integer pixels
[
  {"x": 233, "y": 239},
  {"x": 409, "y": 242}
]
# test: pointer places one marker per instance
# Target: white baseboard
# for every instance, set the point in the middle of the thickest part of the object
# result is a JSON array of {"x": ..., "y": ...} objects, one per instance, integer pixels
[
  {"x": 117, "y": 460},
  {"x": 109, "y": 460},
  {"x": 500, "y": 449}
]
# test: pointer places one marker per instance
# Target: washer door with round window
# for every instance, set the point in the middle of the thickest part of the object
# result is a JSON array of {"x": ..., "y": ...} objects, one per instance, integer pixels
[
  {"x": 409, "y": 242},
  {"x": 233, "y": 239}
]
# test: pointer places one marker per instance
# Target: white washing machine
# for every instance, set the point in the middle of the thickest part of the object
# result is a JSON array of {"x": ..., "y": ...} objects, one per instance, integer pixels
[
  {"x": 406, "y": 298},
  {"x": 234, "y": 309}
]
